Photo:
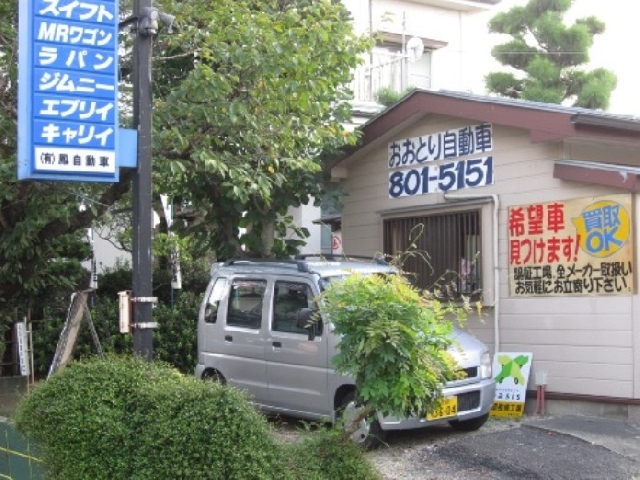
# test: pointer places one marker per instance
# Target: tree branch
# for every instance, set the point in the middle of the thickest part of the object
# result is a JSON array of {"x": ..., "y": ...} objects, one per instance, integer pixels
[
  {"x": 3, "y": 221},
  {"x": 173, "y": 57},
  {"x": 85, "y": 218}
]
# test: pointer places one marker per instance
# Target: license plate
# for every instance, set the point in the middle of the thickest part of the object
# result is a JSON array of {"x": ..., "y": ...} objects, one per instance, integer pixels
[{"x": 447, "y": 408}]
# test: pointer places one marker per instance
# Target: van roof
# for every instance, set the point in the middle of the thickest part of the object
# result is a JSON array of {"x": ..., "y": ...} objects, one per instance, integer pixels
[
  {"x": 322, "y": 265},
  {"x": 340, "y": 268}
]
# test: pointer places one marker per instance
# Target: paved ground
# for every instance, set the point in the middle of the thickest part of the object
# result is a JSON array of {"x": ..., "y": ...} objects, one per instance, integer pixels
[
  {"x": 568, "y": 447},
  {"x": 614, "y": 435}
]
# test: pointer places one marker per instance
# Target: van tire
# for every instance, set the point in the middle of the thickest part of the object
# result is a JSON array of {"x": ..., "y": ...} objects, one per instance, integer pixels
[
  {"x": 369, "y": 434},
  {"x": 213, "y": 376},
  {"x": 469, "y": 425}
]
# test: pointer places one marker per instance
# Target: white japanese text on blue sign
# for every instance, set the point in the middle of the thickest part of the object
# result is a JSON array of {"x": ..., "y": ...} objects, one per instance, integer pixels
[{"x": 75, "y": 85}]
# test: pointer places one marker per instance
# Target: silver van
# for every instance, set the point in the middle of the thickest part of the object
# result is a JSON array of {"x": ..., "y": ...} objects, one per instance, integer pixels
[{"x": 249, "y": 336}]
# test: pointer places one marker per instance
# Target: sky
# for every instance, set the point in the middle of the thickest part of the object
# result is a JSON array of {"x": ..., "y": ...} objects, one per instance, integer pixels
[{"x": 616, "y": 49}]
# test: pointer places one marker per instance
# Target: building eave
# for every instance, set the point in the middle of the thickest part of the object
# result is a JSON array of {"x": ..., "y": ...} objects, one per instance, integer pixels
[
  {"x": 612, "y": 122},
  {"x": 470, "y": 6},
  {"x": 429, "y": 43},
  {"x": 544, "y": 122},
  {"x": 624, "y": 177}
]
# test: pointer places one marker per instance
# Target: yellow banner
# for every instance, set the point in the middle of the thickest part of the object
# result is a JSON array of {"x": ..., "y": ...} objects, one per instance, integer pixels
[
  {"x": 501, "y": 408},
  {"x": 574, "y": 247}
]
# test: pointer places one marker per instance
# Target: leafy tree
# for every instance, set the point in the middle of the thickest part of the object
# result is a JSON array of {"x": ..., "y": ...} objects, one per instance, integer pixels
[
  {"x": 240, "y": 139},
  {"x": 548, "y": 56},
  {"x": 248, "y": 95}
]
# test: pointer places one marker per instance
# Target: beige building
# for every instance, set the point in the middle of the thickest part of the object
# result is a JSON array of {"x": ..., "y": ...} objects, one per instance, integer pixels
[{"x": 529, "y": 208}]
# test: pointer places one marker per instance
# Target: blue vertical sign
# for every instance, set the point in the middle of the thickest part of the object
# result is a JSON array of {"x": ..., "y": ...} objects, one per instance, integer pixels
[{"x": 68, "y": 90}]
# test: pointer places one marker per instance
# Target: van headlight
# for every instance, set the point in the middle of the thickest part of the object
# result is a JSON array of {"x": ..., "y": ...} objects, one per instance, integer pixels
[{"x": 485, "y": 365}]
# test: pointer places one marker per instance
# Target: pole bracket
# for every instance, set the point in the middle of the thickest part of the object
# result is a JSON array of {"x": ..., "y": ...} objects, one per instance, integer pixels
[
  {"x": 144, "y": 299},
  {"x": 145, "y": 325},
  {"x": 128, "y": 21}
]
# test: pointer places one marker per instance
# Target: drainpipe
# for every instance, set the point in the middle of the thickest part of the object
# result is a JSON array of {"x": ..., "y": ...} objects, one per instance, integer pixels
[
  {"x": 370, "y": 8},
  {"x": 496, "y": 267}
]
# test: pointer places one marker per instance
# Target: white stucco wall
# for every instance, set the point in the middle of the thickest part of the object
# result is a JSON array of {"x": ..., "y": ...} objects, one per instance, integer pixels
[
  {"x": 304, "y": 217},
  {"x": 458, "y": 65}
]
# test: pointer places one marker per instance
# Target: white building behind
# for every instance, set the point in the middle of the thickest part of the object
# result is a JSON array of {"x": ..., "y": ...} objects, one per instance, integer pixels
[{"x": 426, "y": 44}]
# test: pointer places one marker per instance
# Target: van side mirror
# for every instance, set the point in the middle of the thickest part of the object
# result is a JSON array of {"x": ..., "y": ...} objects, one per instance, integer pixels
[{"x": 305, "y": 321}]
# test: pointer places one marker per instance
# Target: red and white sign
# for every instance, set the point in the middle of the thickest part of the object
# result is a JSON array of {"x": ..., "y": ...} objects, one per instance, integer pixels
[{"x": 336, "y": 242}]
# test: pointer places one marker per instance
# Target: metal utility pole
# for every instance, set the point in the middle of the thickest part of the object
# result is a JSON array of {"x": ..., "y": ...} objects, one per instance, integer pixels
[{"x": 142, "y": 190}]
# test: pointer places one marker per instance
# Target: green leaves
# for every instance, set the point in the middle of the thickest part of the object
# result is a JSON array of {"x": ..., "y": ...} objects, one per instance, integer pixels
[
  {"x": 393, "y": 341},
  {"x": 264, "y": 99},
  {"x": 154, "y": 422},
  {"x": 125, "y": 418},
  {"x": 548, "y": 55}
]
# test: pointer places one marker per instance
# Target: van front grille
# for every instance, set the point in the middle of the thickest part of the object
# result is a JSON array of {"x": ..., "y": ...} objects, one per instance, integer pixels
[
  {"x": 471, "y": 372},
  {"x": 468, "y": 401}
]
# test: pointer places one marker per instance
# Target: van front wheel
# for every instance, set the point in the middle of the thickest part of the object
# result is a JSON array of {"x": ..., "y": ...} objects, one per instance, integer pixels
[{"x": 367, "y": 433}]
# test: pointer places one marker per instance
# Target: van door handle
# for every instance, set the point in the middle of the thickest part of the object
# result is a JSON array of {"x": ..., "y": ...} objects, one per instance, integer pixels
[
  {"x": 277, "y": 344},
  {"x": 228, "y": 338}
]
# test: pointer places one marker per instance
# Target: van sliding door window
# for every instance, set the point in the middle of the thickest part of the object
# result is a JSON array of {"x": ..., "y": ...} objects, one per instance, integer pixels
[
  {"x": 245, "y": 303},
  {"x": 288, "y": 299}
]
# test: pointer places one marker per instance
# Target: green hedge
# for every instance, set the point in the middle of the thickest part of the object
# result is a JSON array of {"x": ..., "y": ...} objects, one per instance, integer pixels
[
  {"x": 128, "y": 419},
  {"x": 174, "y": 341},
  {"x": 176, "y": 314},
  {"x": 124, "y": 418}
]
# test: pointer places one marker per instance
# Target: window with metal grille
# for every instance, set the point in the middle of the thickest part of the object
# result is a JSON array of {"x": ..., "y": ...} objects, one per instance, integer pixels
[{"x": 451, "y": 242}]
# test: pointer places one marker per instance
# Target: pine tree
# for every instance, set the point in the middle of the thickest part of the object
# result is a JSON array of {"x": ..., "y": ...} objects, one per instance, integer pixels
[{"x": 549, "y": 56}]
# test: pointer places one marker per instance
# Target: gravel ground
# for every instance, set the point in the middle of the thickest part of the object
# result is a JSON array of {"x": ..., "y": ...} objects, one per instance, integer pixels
[
  {"x": 505, "y": 449},
  {"x": 410, "y": 454},
  {"x": 407, "y": 455}
]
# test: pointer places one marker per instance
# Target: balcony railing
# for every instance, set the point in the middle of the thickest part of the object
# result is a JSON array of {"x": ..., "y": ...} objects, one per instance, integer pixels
[{"x": 392, "y": 71}]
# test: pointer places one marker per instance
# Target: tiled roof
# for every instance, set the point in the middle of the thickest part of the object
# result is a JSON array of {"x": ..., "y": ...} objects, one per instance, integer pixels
[{"x": 541, "y": 106}]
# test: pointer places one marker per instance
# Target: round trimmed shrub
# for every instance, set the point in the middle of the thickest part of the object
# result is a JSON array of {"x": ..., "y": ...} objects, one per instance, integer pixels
[
  {"x": 205, "y": 430},
  {"x": 124, "y": 418}
]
